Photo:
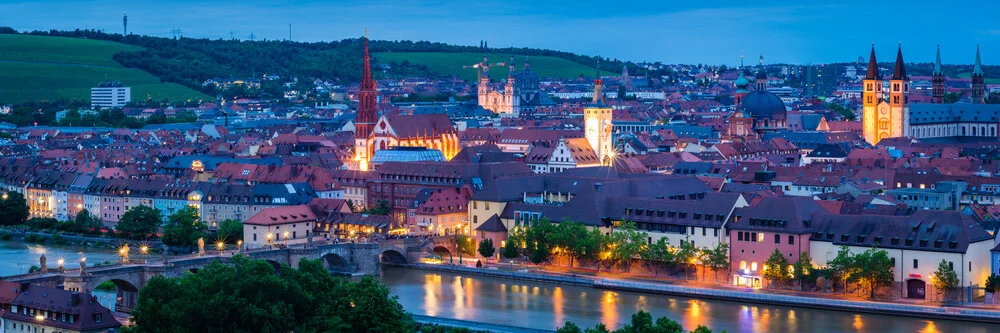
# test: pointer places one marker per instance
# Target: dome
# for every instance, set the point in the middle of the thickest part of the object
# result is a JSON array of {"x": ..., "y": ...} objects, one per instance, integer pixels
[
  {"x": 742, "y": 82},
  {"x": 763, "y": 105}
]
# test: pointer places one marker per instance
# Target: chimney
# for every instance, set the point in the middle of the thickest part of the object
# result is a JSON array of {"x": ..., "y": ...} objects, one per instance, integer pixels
[{"x": 74, "y": 299}]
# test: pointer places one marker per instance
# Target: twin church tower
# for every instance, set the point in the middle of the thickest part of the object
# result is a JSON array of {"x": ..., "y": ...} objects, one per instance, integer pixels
[{"x": 886, "y": 114}]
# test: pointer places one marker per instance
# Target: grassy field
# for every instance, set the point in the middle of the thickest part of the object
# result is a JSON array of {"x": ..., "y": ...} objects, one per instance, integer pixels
[
  {"x": 35, "y": 68},
  {"x": 987, "y": 80},
  {"x": 452, "y": 63}
]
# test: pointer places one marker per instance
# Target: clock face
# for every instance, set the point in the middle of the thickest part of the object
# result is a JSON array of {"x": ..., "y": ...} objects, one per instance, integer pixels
[{"x": 884, "y": 110}]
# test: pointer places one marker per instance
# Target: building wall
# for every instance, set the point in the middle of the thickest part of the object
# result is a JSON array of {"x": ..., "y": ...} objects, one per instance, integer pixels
[
  {"x": 480, "y": 211},
  {"x": 743, "y": 254},
  {"x": 255, "y": 236},
  {"x": 967, "y": 265}
]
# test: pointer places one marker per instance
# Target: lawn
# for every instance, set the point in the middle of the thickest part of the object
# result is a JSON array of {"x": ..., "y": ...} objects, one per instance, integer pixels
[
  {"x": 452, "y": 64},
  {"x": 34, "y": 68}
]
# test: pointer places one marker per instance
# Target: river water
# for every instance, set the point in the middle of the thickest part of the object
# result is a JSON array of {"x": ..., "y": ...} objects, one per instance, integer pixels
[{"x": 547, "y": 306}]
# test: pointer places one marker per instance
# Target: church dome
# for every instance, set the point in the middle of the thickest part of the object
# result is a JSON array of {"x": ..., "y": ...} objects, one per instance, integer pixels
[
  {"x": 763, "y": 105},
  {"x": 742, "y": 82}
]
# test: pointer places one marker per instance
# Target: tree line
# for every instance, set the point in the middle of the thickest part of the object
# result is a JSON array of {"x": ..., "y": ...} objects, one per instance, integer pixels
[{"x": 622, "y": 246}]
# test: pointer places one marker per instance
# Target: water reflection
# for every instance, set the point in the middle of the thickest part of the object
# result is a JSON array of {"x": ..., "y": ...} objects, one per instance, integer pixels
[
  {"x": 546, "y": 306},
  {"x": 18, "y": 257}
]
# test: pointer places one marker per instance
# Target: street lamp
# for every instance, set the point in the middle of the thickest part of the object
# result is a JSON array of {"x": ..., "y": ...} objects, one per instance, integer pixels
[
  {"x": 220, "y": 245},
  {"x": 144, "y": 250}
]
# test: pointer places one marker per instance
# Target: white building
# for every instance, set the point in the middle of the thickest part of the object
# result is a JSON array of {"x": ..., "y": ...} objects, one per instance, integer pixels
[{"x": 110, "y": 95}]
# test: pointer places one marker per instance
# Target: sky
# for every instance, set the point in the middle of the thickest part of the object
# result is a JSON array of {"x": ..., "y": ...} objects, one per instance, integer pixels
[{"x": 709, "y": 32}]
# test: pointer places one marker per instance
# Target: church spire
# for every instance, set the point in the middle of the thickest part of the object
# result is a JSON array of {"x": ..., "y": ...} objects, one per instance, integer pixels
[
  {"x": 977, "y": 69},
  {"x": 873, "y": 73},
  {"x": 937, "y": 62},
  {"x": 899, "y": 71},
  {"x": 598, "y": 88}
]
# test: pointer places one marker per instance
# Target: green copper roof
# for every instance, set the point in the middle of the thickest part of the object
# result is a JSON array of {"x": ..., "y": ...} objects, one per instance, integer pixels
[
  {"x": 978, "y": 68},
  {"x": 937, "y": 62}
]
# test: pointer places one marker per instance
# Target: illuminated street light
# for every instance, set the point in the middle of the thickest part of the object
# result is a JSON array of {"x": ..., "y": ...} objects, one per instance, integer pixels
[
  {"x": 220, "y": 245},
  {"x": 144, "y": 249}
]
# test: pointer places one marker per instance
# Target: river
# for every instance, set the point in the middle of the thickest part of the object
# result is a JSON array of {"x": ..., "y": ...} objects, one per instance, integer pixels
[{"x": 547, "y": 306}]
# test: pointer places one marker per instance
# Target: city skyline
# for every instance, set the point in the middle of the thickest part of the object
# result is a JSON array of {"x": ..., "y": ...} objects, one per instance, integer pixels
[{"x": 639, "y": 31}]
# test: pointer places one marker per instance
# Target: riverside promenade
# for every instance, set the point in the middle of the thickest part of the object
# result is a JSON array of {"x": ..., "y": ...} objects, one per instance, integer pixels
[{"x": 727, "y": 294}]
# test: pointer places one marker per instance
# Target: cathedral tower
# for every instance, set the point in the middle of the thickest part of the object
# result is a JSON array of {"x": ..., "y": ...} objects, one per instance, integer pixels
[
  {"x": 872, "y": 97},
  {"x": 937, "y": 80},
  {"x": 886, "y": 119},
  {"x": 367, "y": 113},
  {"x": 742, "y": 83},
  {"x": 483, "y": 86},
  {"x": 978, "y": 81},
  {"x": 597, "y": 118}
]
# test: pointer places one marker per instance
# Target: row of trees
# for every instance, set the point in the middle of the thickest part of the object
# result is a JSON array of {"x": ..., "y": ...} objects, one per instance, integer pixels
[
  {"x": 44, "y": 114},
  {"x": 542, "y": 240}
]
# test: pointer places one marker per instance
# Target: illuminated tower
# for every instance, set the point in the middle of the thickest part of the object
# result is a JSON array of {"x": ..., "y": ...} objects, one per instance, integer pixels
[
  {"x": 899, "y": 108},
  {"x": 937, "y": 80},
  {"x": 367, "y": 113},
  {"x": 978, "y": 86},
  {"x": 597, "y": 120},
  {"x": 483, "y": 85},
  {"x": 512, "y": 100},
  {"x": 872, "y": 97}
]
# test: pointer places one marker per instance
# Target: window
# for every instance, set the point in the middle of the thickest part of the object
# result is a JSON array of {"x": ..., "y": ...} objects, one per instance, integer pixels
[
  {"x": 704, "y": 232},
  {"x": 951, "y": 265},
  {"x": 777, "y": 239},
  {"x": 743, "y": 265},
  {"x": 915, "y": 265},
  {"x": 753, "y": 266},
  {"x": 739, "y": 236},
  {"x": 791, "y": 240}
]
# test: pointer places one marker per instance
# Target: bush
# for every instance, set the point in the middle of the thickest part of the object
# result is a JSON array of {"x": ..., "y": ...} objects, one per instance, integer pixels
[
  {"x": 5, "y": 235},
  {"x": 42, "y": 223}
]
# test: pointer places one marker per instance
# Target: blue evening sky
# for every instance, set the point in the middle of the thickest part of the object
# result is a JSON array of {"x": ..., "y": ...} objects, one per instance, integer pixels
[{"x": 670, "y": 31}]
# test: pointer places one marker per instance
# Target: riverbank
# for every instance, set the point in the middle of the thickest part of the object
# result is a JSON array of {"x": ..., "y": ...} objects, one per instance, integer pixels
[
  {"x": 952, "y": 313},
  {"x": 474, "y": 326}
]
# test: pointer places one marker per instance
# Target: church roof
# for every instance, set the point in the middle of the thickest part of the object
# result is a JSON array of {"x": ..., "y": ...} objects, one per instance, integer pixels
[
  {"x": 873, "y": 73},
  {"x": 937, "y": 62},
  {"x": 422, "y": 125},
  {"x": 977, "y": 69},
  {"x": 927, "y": 113},
  {"x": 763, "y": 105},
  {"x": 899, "y": 71}
]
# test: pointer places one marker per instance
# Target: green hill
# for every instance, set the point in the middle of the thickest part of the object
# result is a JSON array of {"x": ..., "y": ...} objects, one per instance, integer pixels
[
  {"x": 452, "y": 64},
  {"x": 988, "y": 80},
  {"x": 35, "y": 68}
]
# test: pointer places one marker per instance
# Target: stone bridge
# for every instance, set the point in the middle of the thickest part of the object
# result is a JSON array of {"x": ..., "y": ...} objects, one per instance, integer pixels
[{"x": 347, "y": 259}]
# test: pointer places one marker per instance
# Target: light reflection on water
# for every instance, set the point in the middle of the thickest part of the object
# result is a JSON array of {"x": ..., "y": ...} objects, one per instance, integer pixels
[
  {"x": 18, "y": 257},
  {"x": 546, "y": 306}
]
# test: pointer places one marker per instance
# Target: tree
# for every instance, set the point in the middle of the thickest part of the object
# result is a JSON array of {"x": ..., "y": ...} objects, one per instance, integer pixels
[
  {"x": 230, "y": 230},
  {"x": 247, "y": 296},
  {"x": 537, "y": 241},
  {"x": 13, "y": 209},
  {"x": 687, "y": 255},
  {"x": 842, "y": 266},
  {"x": 85, "y": 222},
  {"x": 573, "y": 237},
  {"x": 802, "y": 268},
  {"x": 486, "y": 248},
  {"x": 512, "y": 248},
  {"x": 776, "y": 269},
  {"x": 718, "y": 259},
  {"x": 873, "y": 269},
  {"x": 466, "y": 245},
  {"x": 380, "y": 208},
  {"x": 626, "y": 243},
  {"x": 993, "y": 283},
  {"x": 184, "y": 228},
  {"x": 945, "y": 280},
  {"x": 658, "y": 254},
  {"x": 139, "y": 222}
]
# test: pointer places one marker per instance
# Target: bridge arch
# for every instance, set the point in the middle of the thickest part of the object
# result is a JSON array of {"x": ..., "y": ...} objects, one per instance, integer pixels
[
  {"x": 125, "y": 296},
  {"x": 335, "y": 262},
  {"x": 393, "y": 256},
  {"x": 277, "y": 265},
  {"x": 441, "y": 250}
]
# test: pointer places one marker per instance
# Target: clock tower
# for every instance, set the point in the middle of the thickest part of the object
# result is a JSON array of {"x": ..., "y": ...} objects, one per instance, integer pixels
[{"x": 597, "y": 122}]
